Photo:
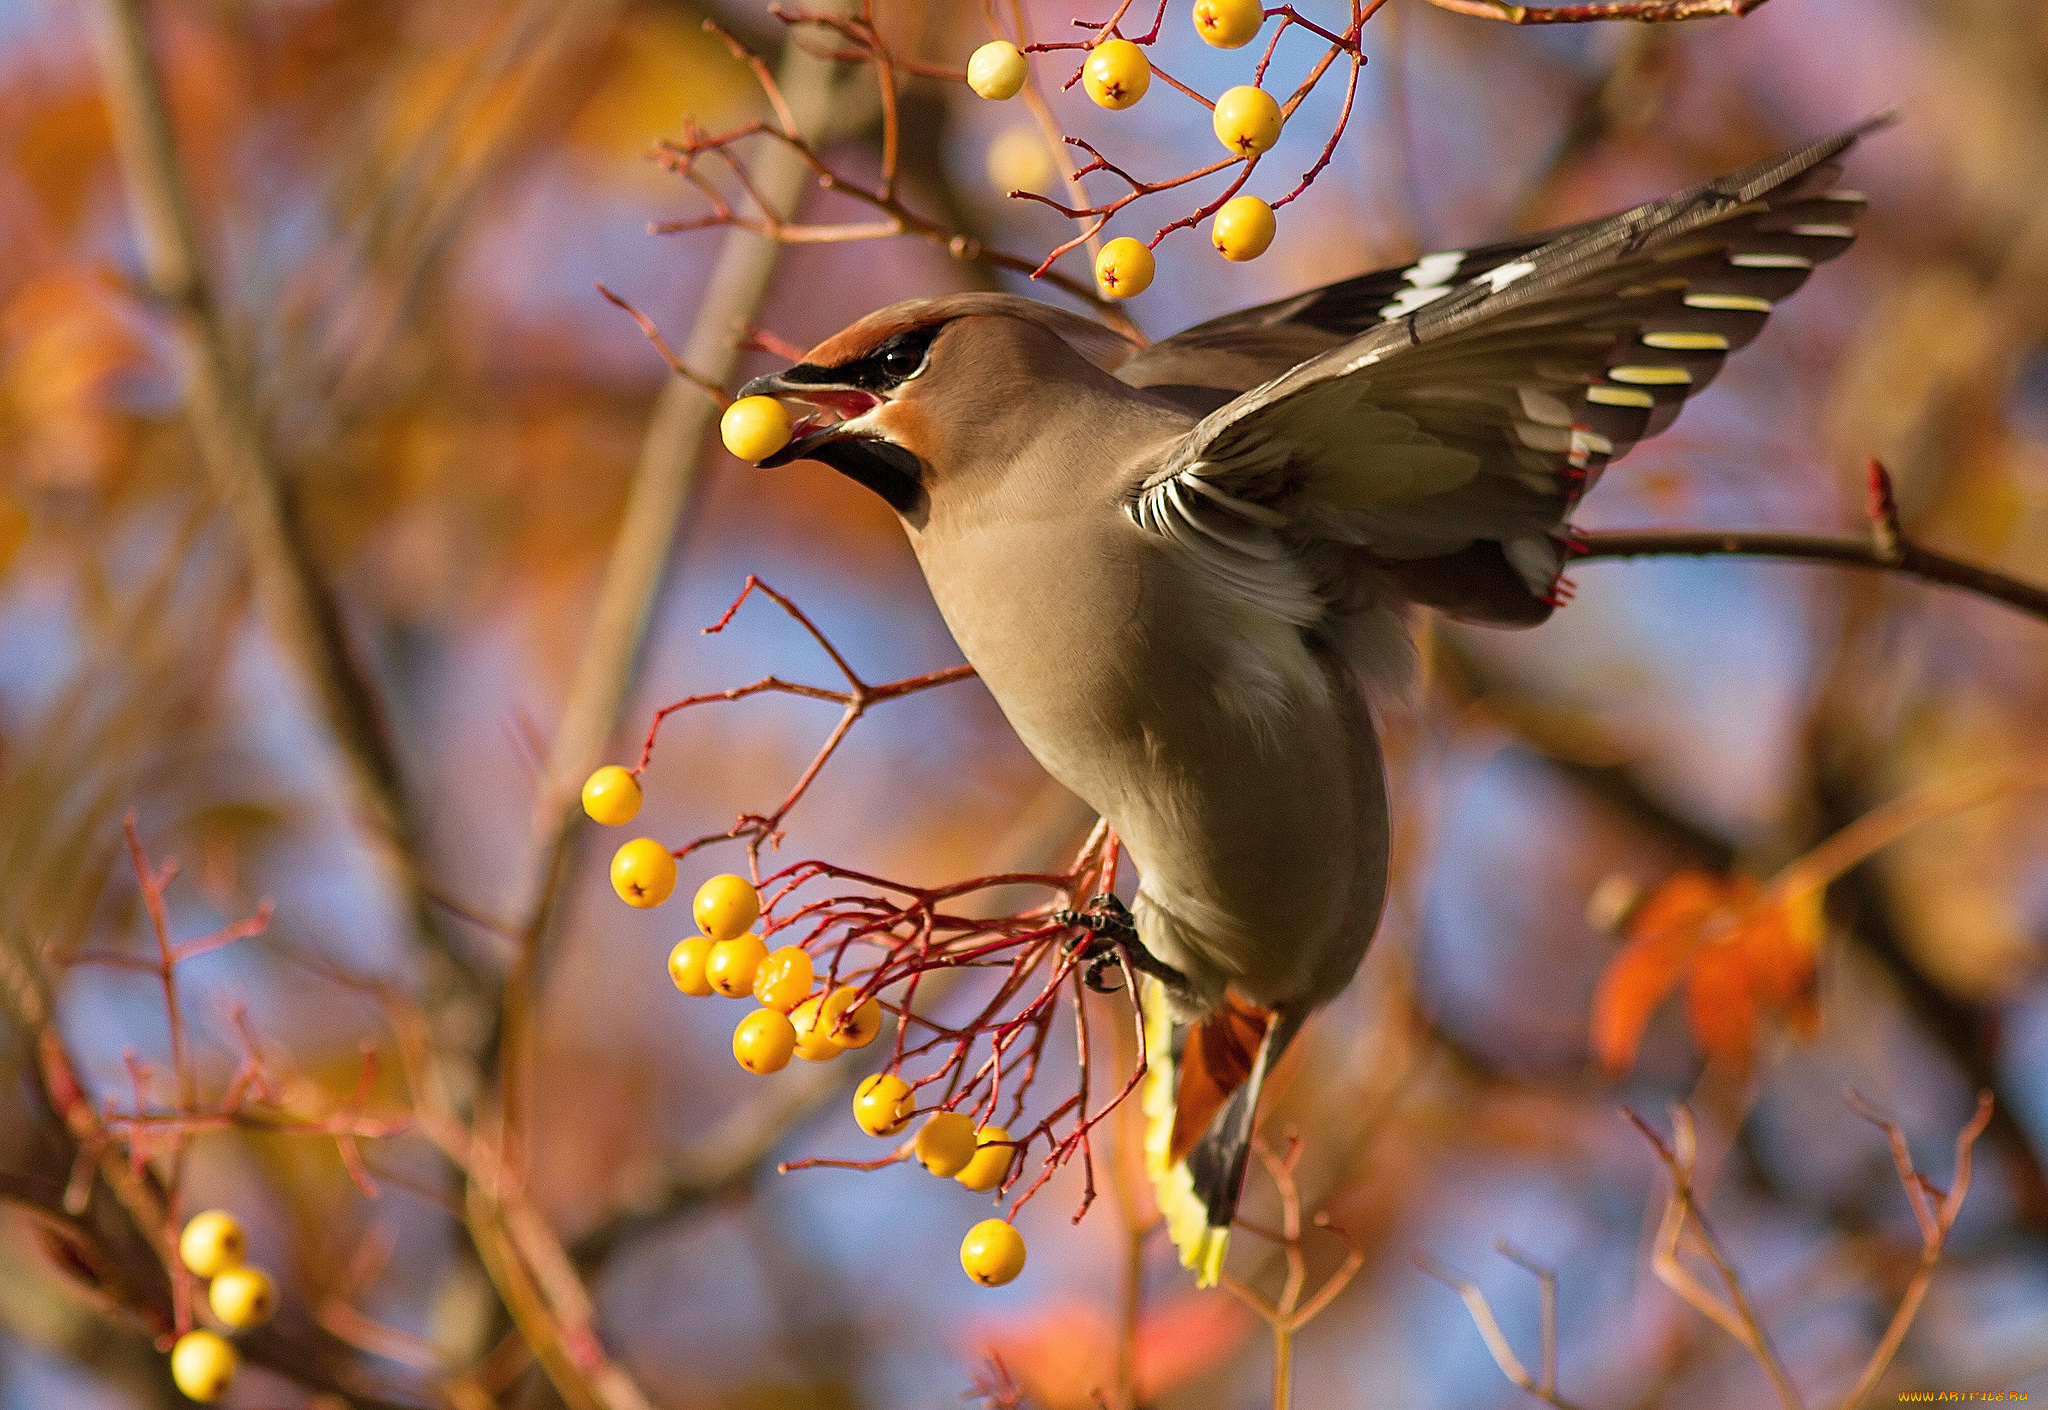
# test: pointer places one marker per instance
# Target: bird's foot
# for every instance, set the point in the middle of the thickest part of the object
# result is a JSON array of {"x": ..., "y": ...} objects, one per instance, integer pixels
[{"x": 1108, "y": 939}]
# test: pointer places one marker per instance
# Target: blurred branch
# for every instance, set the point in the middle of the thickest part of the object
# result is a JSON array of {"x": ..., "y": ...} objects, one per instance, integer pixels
[
  {"x": 1289, "y": 1313},
  {"x": 669, "y": 458},
  {"x": 1934, "y": 1210},
  {"x": 1734, "y": 1315},
  {"x": 1855, "y": 842},
  {"x": 1543, "y": 1385},
  {"x": 244, "y": 475}
]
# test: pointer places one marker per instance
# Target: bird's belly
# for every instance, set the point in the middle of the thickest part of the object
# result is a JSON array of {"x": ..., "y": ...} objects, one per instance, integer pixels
[{"x": 1244, "y": 781}]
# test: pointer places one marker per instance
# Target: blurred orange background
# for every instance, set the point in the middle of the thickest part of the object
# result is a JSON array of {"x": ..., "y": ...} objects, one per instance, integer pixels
[{"x": 403, "y": 209}]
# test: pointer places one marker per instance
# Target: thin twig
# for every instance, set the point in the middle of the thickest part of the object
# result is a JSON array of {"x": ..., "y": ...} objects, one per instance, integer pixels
[
  {"x": 1736, "y": 1316},
  {"x": 1543, "y": 1385},
  {"x": 1936, "y": 1214}
]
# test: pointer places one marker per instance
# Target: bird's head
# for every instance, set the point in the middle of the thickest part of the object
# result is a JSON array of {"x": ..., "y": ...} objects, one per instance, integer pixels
[{"x": 907, "y": 397}]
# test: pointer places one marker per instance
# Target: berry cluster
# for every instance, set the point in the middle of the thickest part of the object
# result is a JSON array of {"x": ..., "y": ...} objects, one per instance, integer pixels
[
  {"x": 803, "y": 1014},
  {"x": 212, "y": 1246},
  {"x": 1116, "y": 74},
  {"x": 796, "y": 1018}
]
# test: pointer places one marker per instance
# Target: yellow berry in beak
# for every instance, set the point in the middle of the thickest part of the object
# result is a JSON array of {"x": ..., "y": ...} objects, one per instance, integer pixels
[
  {"x": 997, "y": 70},
  {"x": 203, "y": 1365},
  {"x": 1124, "y": 268},
  {"x": 754, "y": 428},
  {"x": 992, "y": 1253},
  {"x": 1228, "y": 24},
  {"x": 1242, "y": 229},
  {"x": 1247, "y": 120},
  {"x": 643, "y": 873},
  {"x": 611, "y": 796},
  {"x": 1116, "y": 73}
]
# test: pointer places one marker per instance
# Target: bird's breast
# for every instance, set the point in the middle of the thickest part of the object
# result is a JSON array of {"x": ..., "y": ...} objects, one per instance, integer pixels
[{"x": 1214, "y": 739}]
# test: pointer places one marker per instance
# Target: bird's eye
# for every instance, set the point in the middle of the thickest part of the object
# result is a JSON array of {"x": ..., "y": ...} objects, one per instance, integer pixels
[{"x": 902, "y": 360}]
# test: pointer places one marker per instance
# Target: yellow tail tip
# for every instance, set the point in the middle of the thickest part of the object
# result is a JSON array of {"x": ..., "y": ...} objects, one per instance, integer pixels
[{"x": 1201, "y": 1244}]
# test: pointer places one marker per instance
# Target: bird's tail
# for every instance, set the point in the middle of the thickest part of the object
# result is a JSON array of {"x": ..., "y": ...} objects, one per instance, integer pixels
[{"x": 1201, "y": 1099}]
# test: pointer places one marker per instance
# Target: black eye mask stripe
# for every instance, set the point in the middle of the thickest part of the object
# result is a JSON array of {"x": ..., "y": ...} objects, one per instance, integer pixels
[{"x": 888, "y": 366}]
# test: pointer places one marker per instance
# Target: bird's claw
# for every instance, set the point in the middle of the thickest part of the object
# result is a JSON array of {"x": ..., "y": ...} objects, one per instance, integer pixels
[{"x": 1108, "y": 939}]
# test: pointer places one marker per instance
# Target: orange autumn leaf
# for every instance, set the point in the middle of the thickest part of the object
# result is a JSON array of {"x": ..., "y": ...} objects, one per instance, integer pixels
[
  {"x": 1721, "y": 1005},
  {"x": 1662, "y": 935},
  {"x": 1741, "y": 952}
]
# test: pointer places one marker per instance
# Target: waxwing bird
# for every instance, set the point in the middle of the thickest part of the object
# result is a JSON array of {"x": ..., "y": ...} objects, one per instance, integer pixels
[{"x": 1181, "y": 570}]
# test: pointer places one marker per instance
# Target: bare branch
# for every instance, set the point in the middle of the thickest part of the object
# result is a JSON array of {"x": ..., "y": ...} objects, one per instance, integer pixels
[{"x": 1910, "y": 558}]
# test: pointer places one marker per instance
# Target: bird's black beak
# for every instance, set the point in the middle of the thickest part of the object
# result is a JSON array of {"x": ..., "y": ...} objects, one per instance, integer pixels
[
  {"x": 888, "y": 469},
  {"x": 836, "y": 400}
]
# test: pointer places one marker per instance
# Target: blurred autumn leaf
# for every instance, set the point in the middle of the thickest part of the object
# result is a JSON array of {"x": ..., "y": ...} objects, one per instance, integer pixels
[{"x": 1742, "y": 954}]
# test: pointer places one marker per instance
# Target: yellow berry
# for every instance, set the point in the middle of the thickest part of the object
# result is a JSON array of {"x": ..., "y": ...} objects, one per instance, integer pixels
[
  {"x": 643, "y": 873},
  {"x": 203, "y": 1364},
  {"x": 726, "y": 905},
  {"x": 732, "y": 964},
  {"x": 991, "y": 1161},
  {"x": 686, "y": 966},
  {"x": 997, "y": 70},
  {"x": 1247, "y": 120},
  {"x": 783, "y": 979},
  {"x": 1228, "y": 24},
  {"x": 992, "y": 1253},
  {"x": 242, "y": 1297},
  {"x": 754, "y": 428},
  {"x": 212, "y": 1243},
  {"x": 855, "y": 1029},
  {"x": 763, "y": 1041},
  {"x": 1123, "y": 269},
  {"x": 1116, "y": 73},
  {"x": 813, "y": 1042},
  {"x": 611, "y": 795},
  {"x": 882, "y": 1104},
  {"x": 1019, "y": 161},
  {"x": 1242, "y": 229},
  {"x": 946, "y": 1143}
]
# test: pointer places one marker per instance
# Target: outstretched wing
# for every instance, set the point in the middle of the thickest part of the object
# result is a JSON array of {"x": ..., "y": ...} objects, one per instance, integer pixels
[{"x": 1446, "y": 441}]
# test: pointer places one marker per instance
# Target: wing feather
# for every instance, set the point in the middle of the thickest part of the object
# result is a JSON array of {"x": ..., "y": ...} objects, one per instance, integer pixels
[{"x": 1473, "y": 397}]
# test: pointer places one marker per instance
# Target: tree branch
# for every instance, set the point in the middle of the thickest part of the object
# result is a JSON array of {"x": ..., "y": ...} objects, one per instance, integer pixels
[
  {"x": 242, "y": 472},
  {"x": 1907, "y": 558},
  {"x": 669, "y": 459}
]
